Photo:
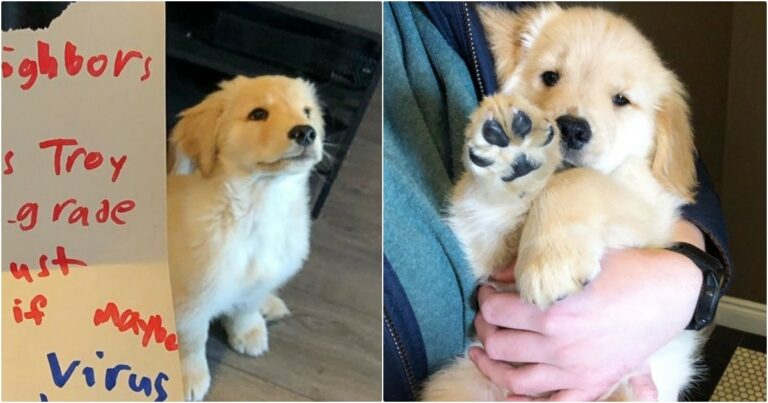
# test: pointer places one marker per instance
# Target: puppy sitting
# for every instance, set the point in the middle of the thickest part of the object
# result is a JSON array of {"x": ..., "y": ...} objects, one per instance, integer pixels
[{"x": 239, "y": 229}]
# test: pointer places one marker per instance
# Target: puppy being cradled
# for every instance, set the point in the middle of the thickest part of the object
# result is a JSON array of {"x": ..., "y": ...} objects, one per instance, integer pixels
[
  {"x": 239, "y": 227},
  {"x": 624, "y": 147}
]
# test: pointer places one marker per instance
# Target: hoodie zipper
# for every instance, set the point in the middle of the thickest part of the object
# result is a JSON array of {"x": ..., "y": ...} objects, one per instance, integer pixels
[
  {"x": 475, "y": 62},
  {"x": 401, "y": 352}
]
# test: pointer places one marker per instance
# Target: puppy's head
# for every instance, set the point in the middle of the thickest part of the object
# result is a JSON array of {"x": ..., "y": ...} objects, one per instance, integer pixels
[
  {"x": 613, "y": 98},
  {"x": 267, "y": 124}
]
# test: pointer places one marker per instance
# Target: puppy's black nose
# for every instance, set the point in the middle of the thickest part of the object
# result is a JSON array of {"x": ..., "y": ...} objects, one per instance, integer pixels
[
  {"x": 303, "y": 135},
  {"x": 575, "y": 131}
]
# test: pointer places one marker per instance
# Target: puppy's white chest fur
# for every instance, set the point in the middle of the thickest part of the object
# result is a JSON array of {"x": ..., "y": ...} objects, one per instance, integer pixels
[
  {"x": 237, "y": 239},
  {"x": 269, "y": 237}
]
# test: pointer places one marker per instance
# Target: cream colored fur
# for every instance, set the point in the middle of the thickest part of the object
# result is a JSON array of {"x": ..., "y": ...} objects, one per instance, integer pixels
[
  {"x": 239, "y": 225},
  {"x": 626, "y": 188}
]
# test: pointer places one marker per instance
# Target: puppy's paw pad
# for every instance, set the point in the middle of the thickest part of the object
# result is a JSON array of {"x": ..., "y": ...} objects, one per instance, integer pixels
[
  {"x": 494, "y": 133},
  {"x": 506, "y": 139},
  {"x": 521, "y": 166},
  {"x": 253, "y": 342},
  {"x": 274, "y": 308},
  {"x": 196, "y": 381},
  {"x": 521, "y": 123},
  {"x": 550, "y": 135},
  {"x": 478, "y": 160}
]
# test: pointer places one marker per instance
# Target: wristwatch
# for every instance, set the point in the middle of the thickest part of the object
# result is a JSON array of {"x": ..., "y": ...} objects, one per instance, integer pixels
[{"x": 711, "y": 285}]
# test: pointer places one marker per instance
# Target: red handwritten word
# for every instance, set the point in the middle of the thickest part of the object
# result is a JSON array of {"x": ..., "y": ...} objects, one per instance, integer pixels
[
  {"x": 27, "y": 214},
  {"x": 62, "y": 261},
  {"x": 102, "y": 215},
  {"x": 131, "y": 320},
  {"x": 48, "y": 65},
  {"x": 35, "y": 310},
  {"x": 90, "y": 159},
  {"x": 7, "y": 162}
]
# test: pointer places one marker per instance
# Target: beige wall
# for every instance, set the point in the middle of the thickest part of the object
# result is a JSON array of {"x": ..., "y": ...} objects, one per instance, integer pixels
[{"x": 718, "y": 50}]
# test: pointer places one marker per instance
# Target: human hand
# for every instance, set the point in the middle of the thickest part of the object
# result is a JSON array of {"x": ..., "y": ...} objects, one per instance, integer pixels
[{"x": 580, "y": 347}]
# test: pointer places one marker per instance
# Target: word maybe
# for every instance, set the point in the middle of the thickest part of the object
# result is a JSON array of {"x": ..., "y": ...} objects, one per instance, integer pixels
[{"x": 131, "y": 320}]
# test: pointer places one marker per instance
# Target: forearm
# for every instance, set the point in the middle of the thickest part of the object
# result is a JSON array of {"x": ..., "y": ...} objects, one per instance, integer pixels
[
  {"x": 707, "y": 215},
  {"x": 686, "y": 231}
]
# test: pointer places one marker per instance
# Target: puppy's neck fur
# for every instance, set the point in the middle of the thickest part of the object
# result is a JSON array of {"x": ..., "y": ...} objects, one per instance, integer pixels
[
  {"x": 241, "y": 198},
  {"x": 257, "y": 194}
]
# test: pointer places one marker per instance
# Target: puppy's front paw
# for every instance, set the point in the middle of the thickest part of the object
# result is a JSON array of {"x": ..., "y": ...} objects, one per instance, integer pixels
[
  {"x": 274, "y": 308},
  {"x": 196, "y": 378},
  {"x": 509, "y": 139},
  {"x": 253, "y": 342},
  {"x": 547, "y": 275},
  {"x": 248, "y": 334}
]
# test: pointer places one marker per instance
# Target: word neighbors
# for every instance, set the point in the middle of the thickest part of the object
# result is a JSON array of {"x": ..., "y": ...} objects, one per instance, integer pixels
[{"x": 47, "y": 65}]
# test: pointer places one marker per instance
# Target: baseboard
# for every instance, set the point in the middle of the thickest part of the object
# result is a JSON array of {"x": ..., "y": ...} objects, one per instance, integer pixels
[{"x": 741, "y": 314}]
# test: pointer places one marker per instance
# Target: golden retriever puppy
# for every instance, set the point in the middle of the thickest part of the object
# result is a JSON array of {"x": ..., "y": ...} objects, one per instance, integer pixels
[
  {"x": 626, "y": 157},
  {"x": 239, "y": 227}
]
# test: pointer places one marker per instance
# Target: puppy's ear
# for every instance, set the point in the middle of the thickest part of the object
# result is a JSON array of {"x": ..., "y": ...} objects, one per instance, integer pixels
[
  {"x": 314, "y": 99},
  {"x": 234, "y": 82},
  {"x": 511, "y": 34},
  {"x": 673, "y": 158},
  {"x": 196, "y": 132}
]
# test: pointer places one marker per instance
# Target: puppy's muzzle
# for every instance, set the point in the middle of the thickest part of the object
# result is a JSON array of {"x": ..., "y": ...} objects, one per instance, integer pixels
[
  {"x": 576, "y": 132},
  {"x": 303, "y": 135}
]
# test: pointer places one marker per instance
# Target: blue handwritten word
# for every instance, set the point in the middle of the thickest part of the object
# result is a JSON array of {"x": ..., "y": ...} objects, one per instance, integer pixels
[{"x": 143, "y": 385}]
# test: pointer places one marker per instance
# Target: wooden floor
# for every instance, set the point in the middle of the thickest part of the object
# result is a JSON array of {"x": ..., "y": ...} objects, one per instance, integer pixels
[{"x": 330, "y": 347}]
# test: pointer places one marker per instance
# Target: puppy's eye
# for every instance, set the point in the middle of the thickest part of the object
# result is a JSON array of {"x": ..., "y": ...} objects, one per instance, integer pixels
[
  {"x": 307, "y": 111},
  {"x": 550, "y": 78},
  {"x": 620, "y": 100},
  {"x": 258, "y": 114}
]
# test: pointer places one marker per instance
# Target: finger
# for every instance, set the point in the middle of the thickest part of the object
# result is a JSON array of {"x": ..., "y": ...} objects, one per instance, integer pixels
[
  {"x": 504, "y": 275},
  {"x": 530, "y": 379},
  {"x": 507, "y": 309},
  {"x": 518, "y": 398},
  {"x": 483, "y": 329},
  {"x": 643, "y": 388},
  {"x": 518, "y": 346},
  {"x": 571, "y": 395},
  {"x": 496, "y": 371}
]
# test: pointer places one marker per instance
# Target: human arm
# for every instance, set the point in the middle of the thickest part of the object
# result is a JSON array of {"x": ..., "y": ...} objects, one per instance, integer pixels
[
  {"x": 706, "y": 214},
  {"x": 584, "y": 344}
]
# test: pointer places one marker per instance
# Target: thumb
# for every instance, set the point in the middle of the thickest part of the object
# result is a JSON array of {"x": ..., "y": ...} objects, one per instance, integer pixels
[
  {"x": 643, "y": 388},
  {"x": 504, "y": 275},
  {"x": 571, "y": 395}
]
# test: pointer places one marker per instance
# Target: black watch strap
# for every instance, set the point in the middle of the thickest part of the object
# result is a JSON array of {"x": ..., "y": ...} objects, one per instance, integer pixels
[{"x": 711, "y": 285}]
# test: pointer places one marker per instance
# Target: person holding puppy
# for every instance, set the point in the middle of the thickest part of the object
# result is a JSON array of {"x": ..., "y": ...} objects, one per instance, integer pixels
[{"x": 576, "y": 349}]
